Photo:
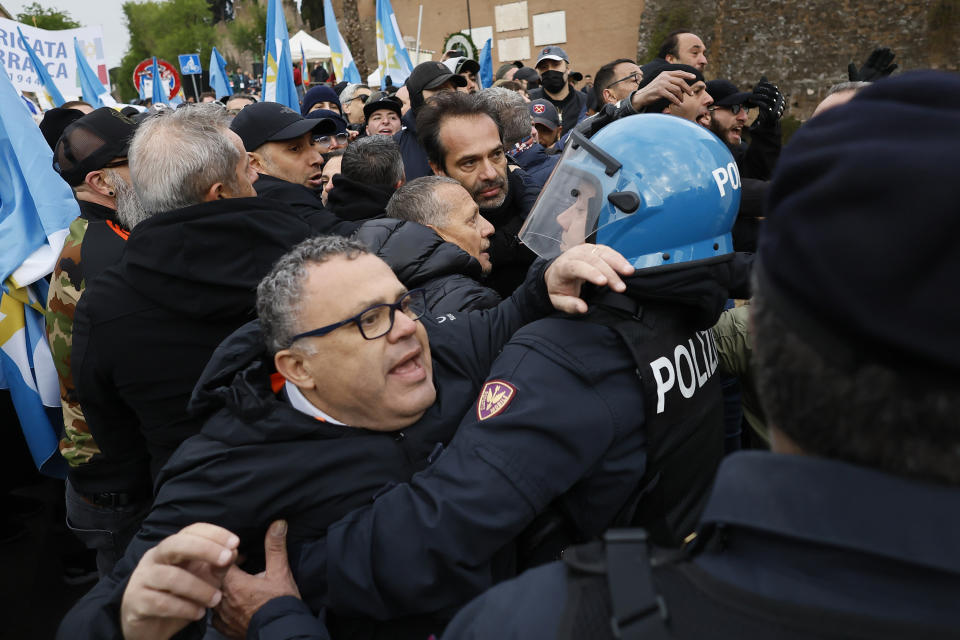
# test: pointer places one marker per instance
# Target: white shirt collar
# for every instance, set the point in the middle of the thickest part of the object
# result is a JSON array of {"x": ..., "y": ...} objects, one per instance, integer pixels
[{"x": 300, "y": 403}]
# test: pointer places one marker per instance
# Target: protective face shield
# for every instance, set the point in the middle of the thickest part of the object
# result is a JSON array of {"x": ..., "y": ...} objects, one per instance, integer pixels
[{"x": 657, "y": 188}]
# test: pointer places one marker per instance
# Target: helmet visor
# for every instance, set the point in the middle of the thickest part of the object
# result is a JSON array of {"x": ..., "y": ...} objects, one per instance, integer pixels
[{"x": 569, "y": 206}]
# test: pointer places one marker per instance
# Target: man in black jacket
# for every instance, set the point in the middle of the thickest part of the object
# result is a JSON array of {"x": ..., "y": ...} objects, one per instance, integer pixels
[
  {"x": 371, "y": 170},
  {"x": 145, "y": 328},
  {"x": 370, "y": 392},
  {"x": 553, "y": 65},
  {"x": 464, "y": 142},
  {"x": 285, "y": 152},
  {"x": 437, "y": 241}
]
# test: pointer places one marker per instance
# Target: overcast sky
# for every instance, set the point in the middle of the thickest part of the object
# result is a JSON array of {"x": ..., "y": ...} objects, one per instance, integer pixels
[{"x": 106, "y": 13}]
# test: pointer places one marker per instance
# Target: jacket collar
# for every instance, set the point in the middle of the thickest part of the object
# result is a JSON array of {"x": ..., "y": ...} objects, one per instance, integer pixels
[{"x": 841, "y": 505}]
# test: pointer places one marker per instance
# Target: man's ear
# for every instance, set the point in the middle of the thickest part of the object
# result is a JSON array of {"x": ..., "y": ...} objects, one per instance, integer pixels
[
  {"x": 96, "y": 181},
  {"x": 438, "y": 231},
  {"x": 290, "y": 365},
  {"x": 216, "y": 191},
  {"x": 672, "y": 59},
  {"x": 608, "y": 96},
  {"x": 436, "y": 169},
  {"x": 256, "y": 161}
]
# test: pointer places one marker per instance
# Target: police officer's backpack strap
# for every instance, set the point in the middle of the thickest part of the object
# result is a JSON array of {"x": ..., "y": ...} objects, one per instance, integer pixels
[{"x": 638, "y": 611}]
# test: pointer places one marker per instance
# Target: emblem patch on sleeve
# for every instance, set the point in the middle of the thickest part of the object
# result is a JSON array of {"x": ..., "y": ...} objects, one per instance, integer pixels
[{"x": 495, "y": 396}]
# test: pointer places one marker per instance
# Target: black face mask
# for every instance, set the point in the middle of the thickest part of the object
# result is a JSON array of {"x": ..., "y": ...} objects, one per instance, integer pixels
[{"x": 552, "y": 81}]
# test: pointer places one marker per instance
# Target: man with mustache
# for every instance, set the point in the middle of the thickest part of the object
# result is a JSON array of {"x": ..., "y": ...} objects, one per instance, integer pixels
[{"x": 463, "y": 141}]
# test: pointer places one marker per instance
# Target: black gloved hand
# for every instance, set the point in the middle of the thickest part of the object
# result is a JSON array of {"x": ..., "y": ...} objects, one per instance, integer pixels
[
  {"x": 877, "y": 66},
  {"x": 769, "y": 100}
]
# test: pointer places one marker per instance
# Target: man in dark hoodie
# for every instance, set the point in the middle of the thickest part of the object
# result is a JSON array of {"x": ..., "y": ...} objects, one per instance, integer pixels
[
  {"x": 463, "y": 141},
  {"x": 285, "y": 150},
  {"x": 145, "y": 328},
  {"x": 427, "y": 80},
  {"x": 370, "y": 172}
]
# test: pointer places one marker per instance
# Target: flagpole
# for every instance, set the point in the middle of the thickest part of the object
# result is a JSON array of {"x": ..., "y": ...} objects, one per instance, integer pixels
[{"x": 419, "y": 23}]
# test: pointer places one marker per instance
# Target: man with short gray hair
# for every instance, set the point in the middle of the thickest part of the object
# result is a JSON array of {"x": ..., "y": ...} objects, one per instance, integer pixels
[
  {"x": 371, "y": 170},
  {"x": 146, "y": 327},
  {"x": 434, "y": 238}
]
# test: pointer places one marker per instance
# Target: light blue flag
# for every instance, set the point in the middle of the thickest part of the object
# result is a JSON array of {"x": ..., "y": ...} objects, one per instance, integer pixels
[
  {"x": 93, "y": 91},
  {"x": 392, "y": 57},
  {"x": 36, "y": 209},
  {"x": 278, "y": 83},
  {"x": 49, "y": 89},
  {"x": 344, "y": 68},
  {"x": 219, "y": 79},
  {"x": 160, "y": 93},
  {"x": 486, "y": 65}
]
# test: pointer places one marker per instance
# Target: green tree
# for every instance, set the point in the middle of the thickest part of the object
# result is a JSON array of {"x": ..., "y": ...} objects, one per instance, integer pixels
[
  {"x": 248, "y": 29},
  {"x": 52, "y": 19},
  {"x": 164, "y": 29}
]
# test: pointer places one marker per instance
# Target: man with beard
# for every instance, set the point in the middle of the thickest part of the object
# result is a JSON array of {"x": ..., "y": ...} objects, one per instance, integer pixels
[
  {"x": 553, "y": 64},
  {"x": 91, "y": 156},
  {"x": 729, "y": 114},
  {"x": 285, "y": 151},
  {"x": 463, "y": 141},
  {"x": 468, "y": 68}
]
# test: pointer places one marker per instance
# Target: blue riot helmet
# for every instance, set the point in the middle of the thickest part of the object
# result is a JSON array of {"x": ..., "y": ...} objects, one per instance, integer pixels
[{"x": 657, "y": 188}]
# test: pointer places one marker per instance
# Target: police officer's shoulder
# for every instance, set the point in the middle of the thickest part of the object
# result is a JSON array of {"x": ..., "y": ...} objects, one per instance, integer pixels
[{"x": 574, "y": 344}]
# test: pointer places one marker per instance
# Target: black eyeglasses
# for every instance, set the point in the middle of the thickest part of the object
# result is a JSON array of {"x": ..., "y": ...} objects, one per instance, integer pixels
[
  {"x": 377, "y": 321},
  {"x": 636, "y": 76},
  {"x": 327, "y": 141},
  {"x": 734, "y": 108},
  {"x": 362, "y": 98}
]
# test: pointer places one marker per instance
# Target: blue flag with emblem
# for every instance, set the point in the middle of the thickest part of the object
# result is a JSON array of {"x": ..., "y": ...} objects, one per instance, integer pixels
[
  {"x": 392, "y": 57},
  {"x": 344, "y": 68},
  {"x": 50, "y": 91},
  {"x": 486, "y": 65},
  {"x": 278, "y": 83},
  {"x": 160, "y": 93},
  {"x": 36, "y": 209},
  {"x": 93, "y": 91},
  {"x": 219, "y": 80}
]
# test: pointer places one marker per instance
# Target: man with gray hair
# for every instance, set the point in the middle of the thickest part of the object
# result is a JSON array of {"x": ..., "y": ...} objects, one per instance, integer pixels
[
  {"x": 371, "y": 170},
  {"x": 434, "y": 238},
  {"x": 520, "y": 140},
  {"x": 145, "y": 328},
  {"x": 372, "y": 389},
  {"x": 352, "y": 98}
]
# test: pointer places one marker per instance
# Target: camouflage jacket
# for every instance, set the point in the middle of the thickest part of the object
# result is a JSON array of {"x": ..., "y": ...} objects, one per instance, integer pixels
[{"x": 95, "y": 241}]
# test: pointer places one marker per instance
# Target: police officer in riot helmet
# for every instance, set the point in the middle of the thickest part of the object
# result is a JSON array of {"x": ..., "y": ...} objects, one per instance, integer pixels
[{"x": 565, "y": 438}]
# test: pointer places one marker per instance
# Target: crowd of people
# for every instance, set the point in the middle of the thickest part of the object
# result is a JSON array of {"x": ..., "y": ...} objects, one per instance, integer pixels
[{"x": 443, "y": 360}]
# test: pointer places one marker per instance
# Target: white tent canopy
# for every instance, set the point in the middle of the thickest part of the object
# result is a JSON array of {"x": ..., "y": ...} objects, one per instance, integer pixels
[{"x": 313, "y": 49}]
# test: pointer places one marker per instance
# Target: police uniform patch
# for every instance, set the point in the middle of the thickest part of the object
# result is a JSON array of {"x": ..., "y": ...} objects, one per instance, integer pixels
[
  {"x": 495, "y": 397},
  {"x": 539, "y": 108}
]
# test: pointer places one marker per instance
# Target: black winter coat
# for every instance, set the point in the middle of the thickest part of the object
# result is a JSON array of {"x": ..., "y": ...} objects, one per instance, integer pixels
[
  {"x": 422, "y": 259},
  {"x": 415, "y": 162},
  {"x": 305, "y": 202},
  {"x": 357, "y": 201},
  {"x": 258, "y": 459},
  {"x": 146, "y": 327}
]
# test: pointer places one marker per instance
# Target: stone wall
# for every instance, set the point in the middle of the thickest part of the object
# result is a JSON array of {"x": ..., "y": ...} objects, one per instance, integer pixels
[{"x": 804, "y": 46}]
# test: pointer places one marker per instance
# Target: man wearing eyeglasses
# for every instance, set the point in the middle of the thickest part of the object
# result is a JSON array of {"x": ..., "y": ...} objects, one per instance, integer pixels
[
  {"x": 285, "y": 150},
  {"x": 369, "y": 392},
  {"x": 352, "y": 99},
  {"x": 731, "y": 112},
  {"x": 617, "y": 80}
]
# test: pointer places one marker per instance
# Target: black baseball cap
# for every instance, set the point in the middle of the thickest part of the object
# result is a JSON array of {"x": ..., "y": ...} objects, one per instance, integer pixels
[
  {"x": 381, "y": 100},
  {"x": 726, "y": 94},
  {"x": 430, "y": 75},
  {"x": 91, "y": 142},
  {"x": 55, "y": 121},
  {"x": 264, "y": 122},
  {"x": 462, "y": 64}
]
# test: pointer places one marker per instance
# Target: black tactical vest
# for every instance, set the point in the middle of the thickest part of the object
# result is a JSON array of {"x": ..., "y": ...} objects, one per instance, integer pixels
[{"x": 683, "y": 403}]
